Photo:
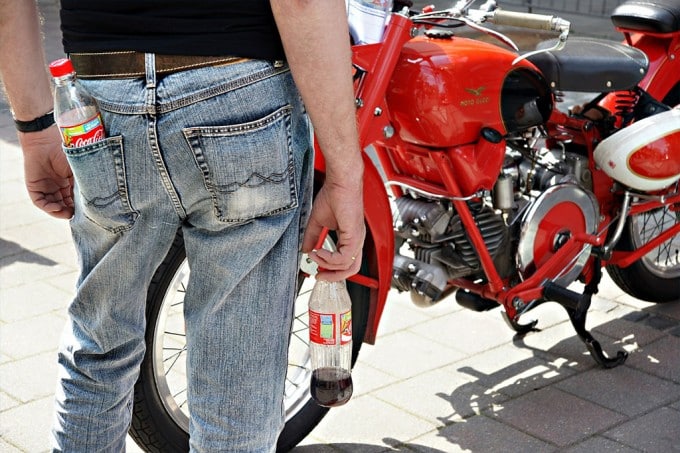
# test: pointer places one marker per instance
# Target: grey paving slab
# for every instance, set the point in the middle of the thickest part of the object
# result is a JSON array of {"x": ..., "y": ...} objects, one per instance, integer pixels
[
  {"x": 22, "y": 269},
  {"x": 18, "y": 213},
  {"x": 32, "y": 336},
  {"x": 668, "y": 310},
  {"x": 512, "y": 371},
  {"x": 380, "y": 420},
  {"x": 41, "y": 235},
  {"x": 7, "y": 402},
  {"x": 423, "y": 354},
  {"x": 660, "y": 358},
  {"x": 480, "y": 434},
  {"x": 367, "y": 379},
  {"x": 24, "y": 302},
  {"x": 600, "y": 445},
  {"x": 31, "y": 378},
  {"x": 630, "y": 328},
  {"x": 407, "y": 315},
  {"x": 439, "y": 397},
  {"x": 556, "y": 417},
  {"x": 27, "y": 426},
  {"x": 658, "y": 431},
  {"x": 7, "y": 448},
  {"x": 613, "y": 390},
  {"x": 469, "y": 332}
]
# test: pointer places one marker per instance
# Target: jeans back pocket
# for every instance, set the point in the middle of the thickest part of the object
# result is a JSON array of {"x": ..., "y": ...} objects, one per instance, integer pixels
[
  {"x": 248, "y": 169},
  {"x": 101, "y": 183}
]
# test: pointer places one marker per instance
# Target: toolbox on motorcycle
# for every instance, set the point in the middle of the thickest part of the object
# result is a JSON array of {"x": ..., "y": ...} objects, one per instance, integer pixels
[{"x": 645, "y": 155}]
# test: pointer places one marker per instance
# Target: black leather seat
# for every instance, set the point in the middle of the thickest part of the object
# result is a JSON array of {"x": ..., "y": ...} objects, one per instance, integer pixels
[
  {"x": 658, "y": 16},
  {"x": 591, "y": 65}
]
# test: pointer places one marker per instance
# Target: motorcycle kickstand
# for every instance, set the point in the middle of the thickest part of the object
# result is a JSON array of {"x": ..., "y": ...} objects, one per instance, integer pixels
[
  {"x": 521, "y": 329},
  {"x": 577, "y": 306}
]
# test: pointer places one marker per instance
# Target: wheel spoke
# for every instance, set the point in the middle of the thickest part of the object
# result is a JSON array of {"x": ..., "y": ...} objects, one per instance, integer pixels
[
  {"x": 176, "y": 357},
  {"x": 664, "y": 260}
]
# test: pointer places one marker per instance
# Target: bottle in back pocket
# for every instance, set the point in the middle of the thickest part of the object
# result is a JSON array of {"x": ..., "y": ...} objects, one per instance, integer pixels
[{"x": 75, "y": 110}]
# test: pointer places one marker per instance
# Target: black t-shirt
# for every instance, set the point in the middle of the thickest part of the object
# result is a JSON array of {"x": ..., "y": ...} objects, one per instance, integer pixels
[{"x": 241, "y": 28}]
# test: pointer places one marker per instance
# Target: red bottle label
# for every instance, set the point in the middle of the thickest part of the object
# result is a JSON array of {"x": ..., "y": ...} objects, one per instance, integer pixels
[
  {"x": 323, "y": 328},
  {"x": 86, "y": 133}
]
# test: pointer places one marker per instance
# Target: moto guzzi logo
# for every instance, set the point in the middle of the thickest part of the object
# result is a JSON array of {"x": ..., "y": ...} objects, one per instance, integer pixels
[{"x": 477, "y": 99}]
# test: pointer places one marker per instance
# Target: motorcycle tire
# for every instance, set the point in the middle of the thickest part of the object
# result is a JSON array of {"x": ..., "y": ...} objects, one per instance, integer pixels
[
  {"x": 160, "y": 420},
  {"x": 656, "y": 276}
]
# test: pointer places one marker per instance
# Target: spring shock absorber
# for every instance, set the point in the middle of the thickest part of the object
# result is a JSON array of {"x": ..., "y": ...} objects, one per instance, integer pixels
[{"x": 624, "y": 105}]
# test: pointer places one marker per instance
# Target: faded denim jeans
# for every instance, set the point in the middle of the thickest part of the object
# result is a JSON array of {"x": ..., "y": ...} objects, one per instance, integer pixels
[{"x": 223, "y": 153}]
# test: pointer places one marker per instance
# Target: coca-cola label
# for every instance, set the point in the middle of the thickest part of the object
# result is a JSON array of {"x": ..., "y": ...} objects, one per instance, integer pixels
[
  {"x": 87, "y": 133},
  {"x": 323, "y": 328}
]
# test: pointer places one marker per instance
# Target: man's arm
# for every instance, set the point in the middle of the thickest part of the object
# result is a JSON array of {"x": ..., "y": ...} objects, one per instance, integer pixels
[
  {"x": 316, "y": 41},
  {"x": 23, "y": 72}
]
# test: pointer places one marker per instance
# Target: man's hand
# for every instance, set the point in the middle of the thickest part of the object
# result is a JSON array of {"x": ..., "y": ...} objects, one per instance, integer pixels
[
  {"x": 49, "y": 179},
  {"x": 337, "y": 207}
]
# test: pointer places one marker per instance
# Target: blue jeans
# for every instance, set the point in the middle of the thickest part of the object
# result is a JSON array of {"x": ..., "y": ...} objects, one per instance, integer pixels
[{"x": 223, "y": 153}]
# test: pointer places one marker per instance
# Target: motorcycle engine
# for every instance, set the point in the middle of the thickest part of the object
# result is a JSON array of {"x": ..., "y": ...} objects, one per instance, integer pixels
[
  {"x": 541, "y": 199},
  {"x": 440, "y": 246}
]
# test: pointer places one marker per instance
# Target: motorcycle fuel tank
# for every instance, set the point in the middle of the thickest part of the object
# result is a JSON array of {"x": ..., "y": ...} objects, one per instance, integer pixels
[
  {"x": 445, "y": 90},
  {"x": 645, "y": 155}
]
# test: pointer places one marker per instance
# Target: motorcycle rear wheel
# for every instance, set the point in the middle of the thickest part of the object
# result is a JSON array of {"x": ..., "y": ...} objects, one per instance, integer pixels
[
  {"x": 160, "y": 419},
  {"x": 656, "y": 276}
]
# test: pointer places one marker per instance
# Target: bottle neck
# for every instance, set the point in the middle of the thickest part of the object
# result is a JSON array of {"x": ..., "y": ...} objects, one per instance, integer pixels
[{"x": 65, "y": 79}]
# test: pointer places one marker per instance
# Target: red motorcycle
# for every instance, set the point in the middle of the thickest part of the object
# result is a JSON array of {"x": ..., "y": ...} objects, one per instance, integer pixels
[{"x": 495, "y": 194}]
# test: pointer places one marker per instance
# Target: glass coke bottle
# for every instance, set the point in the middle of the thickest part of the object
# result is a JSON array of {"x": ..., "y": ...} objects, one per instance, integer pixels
[{"x": 330, "y": 332}]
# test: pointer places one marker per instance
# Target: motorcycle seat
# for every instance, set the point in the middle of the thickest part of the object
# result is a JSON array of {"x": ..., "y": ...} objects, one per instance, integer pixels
[
  {"x": 657, "y": 16},
  {"x": 591, "y": 65}
]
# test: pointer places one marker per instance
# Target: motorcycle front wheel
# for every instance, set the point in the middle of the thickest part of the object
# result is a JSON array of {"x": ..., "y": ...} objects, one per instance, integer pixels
[
  {"x": 656, "y": 276},
  {"x": 160, "y": 419}
]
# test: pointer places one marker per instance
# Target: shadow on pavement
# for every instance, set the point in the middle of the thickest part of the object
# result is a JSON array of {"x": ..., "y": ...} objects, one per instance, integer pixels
[{"x": 11, "y": 252}]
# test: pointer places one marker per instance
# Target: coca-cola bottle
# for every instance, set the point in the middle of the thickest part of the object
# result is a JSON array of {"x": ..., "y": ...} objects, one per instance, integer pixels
[
  {"x": 75, "y": 110},
  {"x": 330, "y": 334}
]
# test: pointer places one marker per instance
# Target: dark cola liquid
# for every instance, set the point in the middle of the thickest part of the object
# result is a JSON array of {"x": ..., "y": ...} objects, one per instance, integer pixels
[{"x": 331, "y": 387}]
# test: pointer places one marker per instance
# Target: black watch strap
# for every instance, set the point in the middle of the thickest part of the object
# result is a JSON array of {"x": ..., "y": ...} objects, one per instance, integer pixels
[{"x": 38, "y": 124}]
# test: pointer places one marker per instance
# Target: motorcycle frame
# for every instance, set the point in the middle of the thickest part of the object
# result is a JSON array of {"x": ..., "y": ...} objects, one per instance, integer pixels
[{"x": 374, "y": 65}]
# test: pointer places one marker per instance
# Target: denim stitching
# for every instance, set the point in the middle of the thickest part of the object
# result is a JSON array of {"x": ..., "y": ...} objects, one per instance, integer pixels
[{"x": 193, "y": 135}]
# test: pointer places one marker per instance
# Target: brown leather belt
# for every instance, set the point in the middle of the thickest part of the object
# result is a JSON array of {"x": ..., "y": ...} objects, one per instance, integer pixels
[{"x": 125, "y": 65}]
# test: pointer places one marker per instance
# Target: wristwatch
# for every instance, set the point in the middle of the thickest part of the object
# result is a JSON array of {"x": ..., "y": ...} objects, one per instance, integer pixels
[{"x": 37, "y": 124}]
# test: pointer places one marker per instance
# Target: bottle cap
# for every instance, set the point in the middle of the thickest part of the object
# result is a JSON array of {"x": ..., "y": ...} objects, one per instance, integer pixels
[{"x": 61, "y": 67}]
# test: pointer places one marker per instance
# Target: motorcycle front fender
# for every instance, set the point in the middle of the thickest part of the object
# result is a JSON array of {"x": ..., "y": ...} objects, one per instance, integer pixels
[{"x": 378, "y": 254}]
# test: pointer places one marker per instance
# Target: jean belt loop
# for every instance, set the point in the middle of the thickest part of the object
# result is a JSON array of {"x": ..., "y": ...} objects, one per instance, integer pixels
[
  {"x": 150, "y": 78},
  {"x": 150, "y": 68}
]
